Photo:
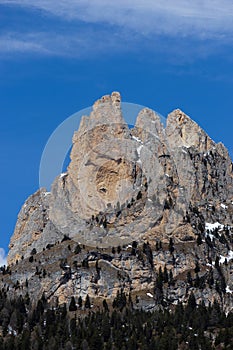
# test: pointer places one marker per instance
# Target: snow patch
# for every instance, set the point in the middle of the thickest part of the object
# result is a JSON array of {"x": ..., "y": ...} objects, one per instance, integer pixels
[
  {"x": 206, "y": 154},
  {"x": 139, "y": 150},
  {"x": 150, "y": 295},
  {"x": 223, "y": 206},
  {"x": 62, "y": 175},
  {"x": 228, "y": 290},
  {"x": 212, "y": 227},
  {"x": 137, "y": 139},
  {"x": 209, "y": 265},
  {"x": 228, "y": 257}
]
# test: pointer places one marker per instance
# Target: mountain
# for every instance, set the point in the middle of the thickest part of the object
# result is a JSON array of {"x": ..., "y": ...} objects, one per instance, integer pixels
[{"x": 144, "y": 213}]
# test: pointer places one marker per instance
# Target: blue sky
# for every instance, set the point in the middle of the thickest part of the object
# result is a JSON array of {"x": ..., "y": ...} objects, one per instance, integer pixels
[{"x": 59, "y": 57}]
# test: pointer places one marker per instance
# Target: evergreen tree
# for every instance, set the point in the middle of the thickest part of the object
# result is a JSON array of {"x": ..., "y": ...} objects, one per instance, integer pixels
[
  {"x": 72, "y": 306},
  {"x": 78, "y": 249},
  {"x": 171, "y": 246},
  {"x": 197, "y": 267},
  {"x": 87, "y": 302},
  {"x": 199, "y": 240},
  {"x": 105, "y": 305},
  {"x": 189, "y": 278},
  {"x": 165, "y": 275},
  {"x": 80, "y": 302},
  {"x": 191, "y": 302},
  {"x": 216, "y": 264}
]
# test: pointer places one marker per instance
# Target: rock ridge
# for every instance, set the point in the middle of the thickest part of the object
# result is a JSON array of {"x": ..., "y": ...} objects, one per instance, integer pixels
[{"x": 129, "y": 184}]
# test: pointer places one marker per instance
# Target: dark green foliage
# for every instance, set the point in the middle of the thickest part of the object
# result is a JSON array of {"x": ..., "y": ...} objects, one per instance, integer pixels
[
  {"x": 171, "y": 246},
  {"x": 199, "y": 239},
  {"x": 134, "y": 248},
  {"x": 189, "y": 278},
  {"x": 105, "y": 305},
  {"x": 120, "y": 301},
  {"x": 188, "y": 326},
  {"x": 87, "y": 302},
  {"x": 148, "y": 252},
  {"x": 191, "y": 302},
  {"x": 80, "y": 301},
  {"x": 85, "y": 263},
  {"x": 171, "y": 280},
  {"x": 139, "y": 195},
  {"x": 165, "y": 275},
  {"x": 72, "y": 306},
  {"x": 197, "y": 267},
  {"x": 216, "y": 264},
  {"x": 78, "y": 249},
  {"x": 65, "y": 238},
  {"x": 33, "y": 252}
]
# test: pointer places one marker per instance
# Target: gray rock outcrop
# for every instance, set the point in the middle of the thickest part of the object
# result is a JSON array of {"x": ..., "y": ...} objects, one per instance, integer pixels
[{"x": 130, "y": 184}]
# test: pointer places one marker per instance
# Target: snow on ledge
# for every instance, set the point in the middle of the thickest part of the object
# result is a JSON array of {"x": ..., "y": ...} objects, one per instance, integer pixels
[
  {"x": 137, "y": 139},
  {"x": 150, "y": 295},
  {"x": 62, "y": 175},
  {"x": 212, "y": 227}
]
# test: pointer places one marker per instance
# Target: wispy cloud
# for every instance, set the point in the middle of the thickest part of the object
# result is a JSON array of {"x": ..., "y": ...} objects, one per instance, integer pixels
[
  {"x": 117, "y": 23},
  {"x": 2, "y": 257},
  {"x": 14, "y": 42},
  {"x": 68, "y": 44},
  {"x": 208, "y": 17}
]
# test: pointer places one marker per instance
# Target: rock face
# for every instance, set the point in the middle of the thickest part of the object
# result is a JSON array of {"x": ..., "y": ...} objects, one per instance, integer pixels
[
  {"x": 127, "y": 184},
  {"x": 150, "y": 183}
]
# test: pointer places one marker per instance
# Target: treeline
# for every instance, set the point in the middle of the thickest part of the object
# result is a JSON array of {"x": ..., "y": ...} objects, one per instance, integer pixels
[{"x": 185, "y": 327}]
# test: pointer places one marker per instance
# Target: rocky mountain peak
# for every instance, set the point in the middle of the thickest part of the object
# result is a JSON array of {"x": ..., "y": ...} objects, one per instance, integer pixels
[
  {"x": 139, "y": 182},
  {"x": 183, "y": 131},
  {"x": 143, "y": 185}
]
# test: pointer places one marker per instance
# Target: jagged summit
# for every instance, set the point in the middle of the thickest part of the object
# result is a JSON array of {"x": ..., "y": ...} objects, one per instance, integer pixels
[
  {"x": 148, "y": 184},
  {"x": 140, "y": 182}
]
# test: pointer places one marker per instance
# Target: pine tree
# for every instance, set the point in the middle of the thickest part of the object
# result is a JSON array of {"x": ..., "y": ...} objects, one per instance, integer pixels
[
  {"x": 216, "y": 264},
  {"x": 105, "y": 305},
  {"x": 165, "y": 275},
  {"x": 189, "y": 278},
  {"x": 197, "y": 267},
  {"x": 80, "y": 302},
  {"x": 78, "y": 249},
  {"x": 171, "y": 245},
  {"x": 72, "y": 306},
  {"x": 199, "y": 239},
  {"x": 192, "y": 302},
  {"x": 87, "y": 302}
]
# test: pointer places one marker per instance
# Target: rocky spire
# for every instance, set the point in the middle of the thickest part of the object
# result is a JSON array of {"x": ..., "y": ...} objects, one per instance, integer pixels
[{"x": 129, "y": 184}]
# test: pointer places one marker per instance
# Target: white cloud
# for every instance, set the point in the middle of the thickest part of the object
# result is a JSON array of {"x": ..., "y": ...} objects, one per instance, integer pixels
[
  {"x": 2, "y": 257},
  {"x": 14, "y": 42},
  {"x": 79, "y": 27},
  {"x": 208, "y": 18},
  {"x": 80, "y": 44}
]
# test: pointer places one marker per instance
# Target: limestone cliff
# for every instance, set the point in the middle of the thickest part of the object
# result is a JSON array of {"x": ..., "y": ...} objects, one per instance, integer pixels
[{"x": 152, "y": 183}]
